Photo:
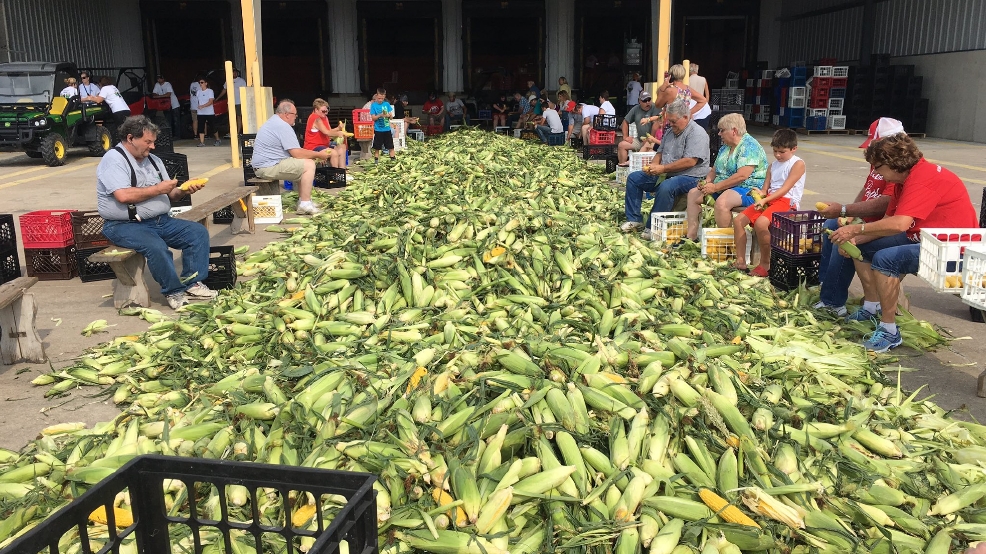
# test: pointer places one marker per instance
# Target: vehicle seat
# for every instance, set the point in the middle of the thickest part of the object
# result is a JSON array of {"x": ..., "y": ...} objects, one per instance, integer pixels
[{"x": 58, "y": 105}]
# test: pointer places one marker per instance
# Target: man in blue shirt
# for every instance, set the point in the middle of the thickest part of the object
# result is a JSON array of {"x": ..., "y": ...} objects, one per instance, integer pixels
[{"x": 380, "y": 112}]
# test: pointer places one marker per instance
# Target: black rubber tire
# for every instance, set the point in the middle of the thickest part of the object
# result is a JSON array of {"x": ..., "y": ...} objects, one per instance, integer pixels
[
  {"x": 51, "y": 146},
  {"x": 102, "y": 144},
  {"x": 164, "y": 142},
  {"x": 33, "y": 154}
]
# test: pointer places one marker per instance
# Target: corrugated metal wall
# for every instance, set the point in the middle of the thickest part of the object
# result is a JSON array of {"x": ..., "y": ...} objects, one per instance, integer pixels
[
  {"x": 903, "y": 28},
  {"x": 50, "y": 31}
]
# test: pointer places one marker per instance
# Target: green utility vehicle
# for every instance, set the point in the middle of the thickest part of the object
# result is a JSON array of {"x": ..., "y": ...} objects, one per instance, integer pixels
[{"x": 35, "y": 119}]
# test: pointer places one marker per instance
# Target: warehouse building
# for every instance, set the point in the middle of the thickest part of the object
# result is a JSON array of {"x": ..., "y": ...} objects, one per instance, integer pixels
[{"x": 345, "y": 48}]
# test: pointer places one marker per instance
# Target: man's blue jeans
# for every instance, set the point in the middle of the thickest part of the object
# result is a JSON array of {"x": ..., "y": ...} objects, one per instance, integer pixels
[
  {"x": 835, "y": 270},
  {"x": 153, "y": 237},
  {"x": 665, "y": 194}
]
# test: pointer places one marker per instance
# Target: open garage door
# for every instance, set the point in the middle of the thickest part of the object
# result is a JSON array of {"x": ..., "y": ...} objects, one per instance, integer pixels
[
  {"x": 294, "y": 49},
  {"x": 604, "y": 31},
  {"x": 400, "y": 47},
  {"x": 504, "y": 46}
]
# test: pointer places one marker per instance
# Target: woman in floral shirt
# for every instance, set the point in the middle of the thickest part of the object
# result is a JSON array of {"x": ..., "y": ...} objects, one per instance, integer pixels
[{"x": 740, "y": 167}]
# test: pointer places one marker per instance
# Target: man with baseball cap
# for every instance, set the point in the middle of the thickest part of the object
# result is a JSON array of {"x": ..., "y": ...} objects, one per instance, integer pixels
[
  {"x": 836, "y": 272},
  {"x": 640, "y": 143}
]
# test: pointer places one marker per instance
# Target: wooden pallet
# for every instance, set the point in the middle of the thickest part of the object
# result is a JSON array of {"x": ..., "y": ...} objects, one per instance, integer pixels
[{"x": 804, "y": 131}]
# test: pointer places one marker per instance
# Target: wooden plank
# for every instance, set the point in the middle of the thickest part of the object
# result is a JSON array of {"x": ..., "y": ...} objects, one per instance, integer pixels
[
  {"x": 19, "y": 340},
  {"x": 11, "y": 291},
  {"x": 204, "y": 210}
]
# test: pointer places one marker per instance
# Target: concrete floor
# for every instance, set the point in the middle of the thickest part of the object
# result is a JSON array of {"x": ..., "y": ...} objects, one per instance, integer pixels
[{"x": 836, "y": 171}]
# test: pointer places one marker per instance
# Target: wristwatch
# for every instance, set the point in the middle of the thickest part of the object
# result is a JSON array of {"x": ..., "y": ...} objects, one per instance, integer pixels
[{"x": 843, "y": 210}]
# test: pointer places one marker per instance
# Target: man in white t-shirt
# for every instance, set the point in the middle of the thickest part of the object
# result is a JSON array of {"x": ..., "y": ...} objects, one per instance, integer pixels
[
  {"x": 605, "y": 106},
  {"x": 193, "y": 103},
  {"x": 163, "y": 89},
  {"x": 237, "y": 83},
  {"x": 550, "y": 122},
  {"x": 633, "y": 91},
  {"x": 110, "y": 95},
  {"x": 588, "y": 112}
]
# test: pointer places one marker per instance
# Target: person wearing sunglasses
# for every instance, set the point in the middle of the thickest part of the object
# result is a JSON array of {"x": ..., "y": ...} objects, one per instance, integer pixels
[
  {"x": 319, "y": 134},
  {"x": 207, "y": 112},
  {"x": 86, "y": 86},
  {"x": 643, "y": 111}
]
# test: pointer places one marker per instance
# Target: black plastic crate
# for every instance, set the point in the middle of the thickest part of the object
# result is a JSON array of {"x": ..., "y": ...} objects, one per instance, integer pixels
[
  {"x": 51, "y": 264},
  {"x": 797, "y": 233},
  {"x": 222, "y": 268},
  {"x": 788, "y": 272},
  {"x": 598, "y": 151},
  {"x": 91, "y": 271},
  {"x": 576, "y": 142},
  {"x": 10, "y": 265},
  {"x": 185, "y": 200},
  {"x": 88, "y": 230},
  {"x": 604, "y": 122},
  {"x": 224, "y": 215},
  {"x": 164, "y": 142},
  {"x": 246, "y": 141},
  {"x": 176, "y": 165},
  {"x": 329, "y": 177},
  {"x": 8, "y": 233},
  {"x": 145, "y": 477}
]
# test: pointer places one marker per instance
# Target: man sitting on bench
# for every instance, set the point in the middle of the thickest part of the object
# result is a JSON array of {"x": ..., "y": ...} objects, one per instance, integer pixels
[{"x": 133, "y": 189}]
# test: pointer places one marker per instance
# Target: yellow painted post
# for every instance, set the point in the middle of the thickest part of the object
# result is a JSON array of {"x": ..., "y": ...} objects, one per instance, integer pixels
[
  {"x": 249, "y": 37},
  {"x": 234, "y": 133},
  {"x": 663, "y": 40},
  {"x": 686, "y": 63}
]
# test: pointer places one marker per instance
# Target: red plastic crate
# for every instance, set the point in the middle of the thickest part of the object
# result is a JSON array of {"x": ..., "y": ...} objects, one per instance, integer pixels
[
  {"x": 363, "y": 131},
  {"x": 431, "y": 130},
  {"x": 797, "y": 233},
  {"x": 817, "y": 92},
  {"x": 51, "y": 264},
  {"x": 818, "y": 103},
  {"x": 821, "y": 82},
  {"x": 840, "y": 82},
  {"x": 47, "y": 229},
  {"x": 601, "y": 137},
  {"x": 361, "y": 116}
]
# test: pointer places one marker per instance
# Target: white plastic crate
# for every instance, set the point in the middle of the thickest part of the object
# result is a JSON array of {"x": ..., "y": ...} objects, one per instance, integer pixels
[
  {"x": 175, "y": 210},
  {"x": 638, "y": 159},
  {"x": 815, "y": 112},
  {"x": 836, "y": 103},
  {"x": 835, "y": 112},
  {"x": 840, "y": 71},
  {"x": 668, "y": 226},
  {"x": 798, "y": 92},
  {"x": 631, "y": 130},
  {"x": 622, "y": 172},
  {"x": 416, "y": 134},
  {"x": 267, "y": 209},
  {"x": 782, "y": 73},
  {"x": 719, "y": 245},
  {"x": 974, "y": 278},
  {"x": 823, "y": 71},
  {"x": 797, "y": 102},
  {"x": 767, "y": 74},
  {"x": 942, "y": 251},
  {"x": 398, "y": 128},
  {"x": 749, "y": 82},
  {"x": 498, "y": 130},
  {"x": 776, "y": 120},
  {"x": 732, "y": 83},
  {"x": 400, "y": 143},
  {"x": 836, "y": 122},
  {"x": 517, "y": 133},
  {"x": 453, "y": 127}
]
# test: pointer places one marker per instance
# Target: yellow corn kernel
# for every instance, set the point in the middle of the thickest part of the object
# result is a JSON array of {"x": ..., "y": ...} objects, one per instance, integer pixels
[
  {"x": 724, "y": 509},
  {"x": 416, "y": 377},
  {"x": 123, "y": 517}
]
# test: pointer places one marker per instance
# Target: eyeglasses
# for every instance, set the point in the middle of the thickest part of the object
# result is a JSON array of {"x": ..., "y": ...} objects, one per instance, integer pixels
[
  {"x": 877, "y": 167},
  {"x": 324, "y": 110},
  {"x": 84, "y": 77},
  {"x": 203, "y": 83},
  {"x": 293, "y": 113}
]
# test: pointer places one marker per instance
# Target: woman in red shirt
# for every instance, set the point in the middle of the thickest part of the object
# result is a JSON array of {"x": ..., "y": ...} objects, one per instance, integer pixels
[
  {"x": 928, "y": 196},
  {"x": 319, "y": 135}
]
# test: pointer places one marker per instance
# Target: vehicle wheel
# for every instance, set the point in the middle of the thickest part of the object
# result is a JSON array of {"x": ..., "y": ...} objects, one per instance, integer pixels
[
  {"x": 33, "y": 154},
  {"x": 103, "y": 142},
  {"x": 164, "y": 143},
  {"x": 53, "y": 149}
]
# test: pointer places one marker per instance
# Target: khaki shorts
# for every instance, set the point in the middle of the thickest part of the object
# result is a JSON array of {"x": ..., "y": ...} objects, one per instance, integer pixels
[
  {"x": 288, "y": 169},
  {"x": 636, "y": 145}
]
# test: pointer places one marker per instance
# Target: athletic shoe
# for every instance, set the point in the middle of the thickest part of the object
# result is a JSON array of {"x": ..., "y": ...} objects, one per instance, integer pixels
[
  {"x": 882, "y": 340},
  {"x": 631, "y": 226},
  {"x": 838, "y": 311},
  {"x": 218, "y": 142},
  {"x": 306, "y": 208},
  {"x": 200, "y": 145},
  {"x": 200, "y": 290},
  {"x": 349, "y": 177},
  {"x": 177, "y": 300},
  {"x": 863, "y": 314},
  {"x": 646, "y": 235}
]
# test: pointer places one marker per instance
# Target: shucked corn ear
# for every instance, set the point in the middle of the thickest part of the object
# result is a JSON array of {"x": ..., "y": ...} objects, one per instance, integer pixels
[
  {"x": 193, "y": 182},
  {"x": 722, "y": 508},
  {"x": 123, "y": 517},
  {"x": 763, "y": 504},
  {"x": 821, "y": 206}
]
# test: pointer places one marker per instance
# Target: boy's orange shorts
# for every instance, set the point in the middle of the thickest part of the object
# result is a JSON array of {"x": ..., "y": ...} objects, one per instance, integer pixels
[{"x": 779, "y": 205}]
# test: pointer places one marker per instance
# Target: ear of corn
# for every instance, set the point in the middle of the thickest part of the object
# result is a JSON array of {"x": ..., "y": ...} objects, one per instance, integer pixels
[{"x": 122, "y": 518}]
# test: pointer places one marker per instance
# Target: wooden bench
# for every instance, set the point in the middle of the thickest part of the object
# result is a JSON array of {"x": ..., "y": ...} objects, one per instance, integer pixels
[
  {"x": 241, "y": 202},
  {"x": 19, "y": 340},
  {"x": 129, "y": 288},
  {"x": 265, "y": 187}
]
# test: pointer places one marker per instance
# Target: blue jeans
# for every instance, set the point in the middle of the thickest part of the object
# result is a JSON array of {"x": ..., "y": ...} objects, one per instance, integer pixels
[
  {"x": 893, "y": 256},
  {"x": 153, "y": 237},
  {"x": 835, "y": 270},
  {"x": 665, "y": 194},
  {"x": 543, "y": 131}
]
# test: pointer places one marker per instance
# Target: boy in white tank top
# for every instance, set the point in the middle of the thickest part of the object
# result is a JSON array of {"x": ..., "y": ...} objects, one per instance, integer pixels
[{"x": 783, "y": 187}]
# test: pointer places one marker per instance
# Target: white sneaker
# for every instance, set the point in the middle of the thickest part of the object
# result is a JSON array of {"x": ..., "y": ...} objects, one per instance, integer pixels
[
  {"x": 200, "y": 290},
  {"x": 646, "y": 235},
  {"x": 631, "y": 226},
  {"x": 349, "y": 177},
  {"x": 306, "y": 208},
  {"x": 177, "y": 300}
]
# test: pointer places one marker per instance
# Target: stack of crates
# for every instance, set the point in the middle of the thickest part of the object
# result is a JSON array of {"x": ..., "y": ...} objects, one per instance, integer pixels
[
  {"x": 246, "y": 155},
  {"x": 795, "y": 248},
  {"x": 362, "y": 125},
  {"x": 602, "y": 141},
  {"x": 10, "y": 263},
  {"x": 49, "y": 244},
  {"x": 87, "y": 228},
  {"x": 222, "y": 268},
  {"x": 793, "y": 100},
  {"x": 759, "y": 93}
]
